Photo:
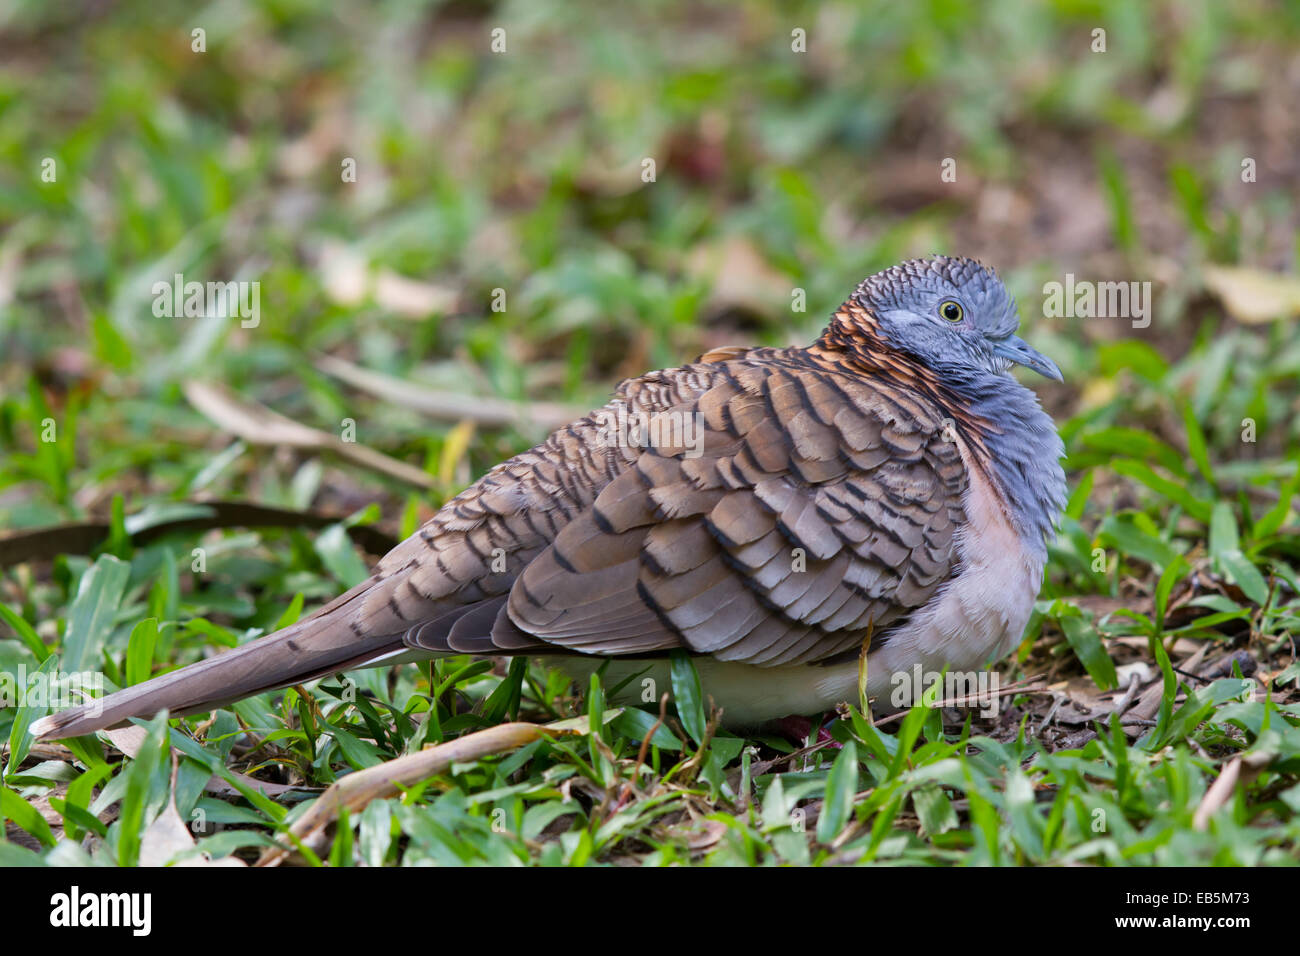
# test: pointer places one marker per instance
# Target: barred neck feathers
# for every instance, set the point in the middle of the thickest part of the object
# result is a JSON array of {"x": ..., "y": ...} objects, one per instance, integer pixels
[{"x": 1014, "y": 442}]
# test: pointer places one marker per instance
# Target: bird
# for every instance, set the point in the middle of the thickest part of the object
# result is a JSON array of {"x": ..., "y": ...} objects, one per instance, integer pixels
[{"x": 883, "y": 497}]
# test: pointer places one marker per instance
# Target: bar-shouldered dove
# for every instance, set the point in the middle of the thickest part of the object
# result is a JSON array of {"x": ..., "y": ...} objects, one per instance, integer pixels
[{"x": 775, "y": 513}]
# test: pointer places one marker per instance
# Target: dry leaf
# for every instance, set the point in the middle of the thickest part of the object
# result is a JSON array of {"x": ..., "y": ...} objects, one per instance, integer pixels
[
  {"x": 741, "y": 277},
  {"x": 258, "y": 424},
  {"x": 344, "y": 273},
  {"x": 1254, "y": 296},
  {"x": 130, "y": 739},
  {"x": 358, "y": 789},
  {"x": 411, "y": 298},
  {"x": 348, "y": 280},
  {"x": 168, "y": 836},
  {"x": 449, "y": 406},
  {"x": 1219, "y": 794}
]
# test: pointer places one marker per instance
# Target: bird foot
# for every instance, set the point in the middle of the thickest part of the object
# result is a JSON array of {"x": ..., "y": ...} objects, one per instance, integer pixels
[{"x": 797, "y": 728}]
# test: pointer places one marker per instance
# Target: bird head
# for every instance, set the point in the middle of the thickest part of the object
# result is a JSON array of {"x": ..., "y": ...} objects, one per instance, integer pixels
[{"x": 952, "y": 314}]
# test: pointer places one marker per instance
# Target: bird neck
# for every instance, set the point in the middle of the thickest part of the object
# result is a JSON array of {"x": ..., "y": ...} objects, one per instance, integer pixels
[
  {"x": 1012, "y": 441},
  {"x": 1021, "y": 447}
]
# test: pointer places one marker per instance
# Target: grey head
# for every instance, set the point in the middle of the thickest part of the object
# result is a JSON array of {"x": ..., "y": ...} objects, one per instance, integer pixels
[{"x": 952, "y": 314}]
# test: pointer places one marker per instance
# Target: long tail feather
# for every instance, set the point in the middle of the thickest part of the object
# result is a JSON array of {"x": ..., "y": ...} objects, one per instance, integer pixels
[{"x": 321, "y": 644}]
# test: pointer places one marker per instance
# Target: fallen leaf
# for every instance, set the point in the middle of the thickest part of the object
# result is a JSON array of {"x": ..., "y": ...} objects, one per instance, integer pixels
[
  {"x": 358, "y": 789},
  {"x": 168, "y": 836},
  {"x": 1254, "y": 296},
  {"x": 449, "y": 406},
  {"x": 348, "y": 279},
  {"x": 411, "y": 298},
  {"x": 1219, "y": 794},
  {"x": 259, "y": 425},
  {"x": 344, "y": 273},
  {"x": 129, "y": 740},
  {"x": 741, "y": 277}
]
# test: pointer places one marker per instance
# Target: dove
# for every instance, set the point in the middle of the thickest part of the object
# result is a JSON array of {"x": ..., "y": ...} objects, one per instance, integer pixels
[{"x": 777, "y": 514}]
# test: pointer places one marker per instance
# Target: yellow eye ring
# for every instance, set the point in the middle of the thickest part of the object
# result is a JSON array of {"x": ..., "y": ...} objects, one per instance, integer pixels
[{"x": 952, "y": 311}]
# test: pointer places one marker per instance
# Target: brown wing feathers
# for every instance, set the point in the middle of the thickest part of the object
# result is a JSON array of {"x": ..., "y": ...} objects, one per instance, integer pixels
[
  {"x": 819, "y": 506},
  {"x": 821, "y": 503}
]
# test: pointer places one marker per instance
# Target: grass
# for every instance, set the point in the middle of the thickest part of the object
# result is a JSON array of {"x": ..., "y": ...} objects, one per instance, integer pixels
[{"x": 515, "y": 179}]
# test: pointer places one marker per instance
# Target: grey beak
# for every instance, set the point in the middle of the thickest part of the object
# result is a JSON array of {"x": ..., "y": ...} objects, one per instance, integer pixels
[{"x": 1015, "y": 349}]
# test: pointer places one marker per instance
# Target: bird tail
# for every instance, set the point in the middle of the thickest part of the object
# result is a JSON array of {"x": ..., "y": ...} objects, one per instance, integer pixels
[{"x": 321, "y": 644}]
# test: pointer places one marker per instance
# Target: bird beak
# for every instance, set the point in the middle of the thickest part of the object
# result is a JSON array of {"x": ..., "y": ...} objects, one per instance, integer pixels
[{"x": 1015, "y": 350}]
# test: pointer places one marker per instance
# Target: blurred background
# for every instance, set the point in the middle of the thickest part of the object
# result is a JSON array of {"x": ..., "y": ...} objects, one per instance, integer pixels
[{"x": 390, "y": 172}]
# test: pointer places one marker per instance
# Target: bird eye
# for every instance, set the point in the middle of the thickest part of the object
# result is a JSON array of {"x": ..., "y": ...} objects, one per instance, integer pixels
[{"x": 952, "y": 311}]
